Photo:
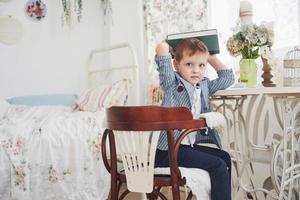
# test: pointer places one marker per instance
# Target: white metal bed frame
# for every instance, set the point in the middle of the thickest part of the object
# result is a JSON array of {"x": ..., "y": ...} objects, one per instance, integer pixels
[{"x": 133, "y": 66}]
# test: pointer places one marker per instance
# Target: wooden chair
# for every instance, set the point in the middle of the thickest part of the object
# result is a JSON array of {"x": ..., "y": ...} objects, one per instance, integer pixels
[{"x": 133, "y": 133}]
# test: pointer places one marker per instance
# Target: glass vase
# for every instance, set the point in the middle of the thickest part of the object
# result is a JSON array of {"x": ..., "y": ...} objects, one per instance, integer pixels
[{"x": 248, "y": 72}]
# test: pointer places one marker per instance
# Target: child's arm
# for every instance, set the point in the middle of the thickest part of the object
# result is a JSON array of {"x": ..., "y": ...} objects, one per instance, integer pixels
[
  {"x": 163, "y": 60},
  {"x": 225, "y": 75},
  {"x": 162, "y": 49}
]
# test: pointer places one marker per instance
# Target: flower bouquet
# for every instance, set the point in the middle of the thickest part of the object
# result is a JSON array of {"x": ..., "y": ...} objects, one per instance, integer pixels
[{"x": 247, "y": 41}]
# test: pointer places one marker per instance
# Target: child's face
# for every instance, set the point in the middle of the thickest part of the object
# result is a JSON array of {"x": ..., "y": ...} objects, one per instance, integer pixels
[{"x": 192, "y": 68}]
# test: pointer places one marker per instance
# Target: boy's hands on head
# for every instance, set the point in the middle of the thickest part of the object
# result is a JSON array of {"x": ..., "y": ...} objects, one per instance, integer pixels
[
  {"x": 162, "y": 49},
  {"x": 212, "y": 58},
  {"x": 216, "y": 63}
]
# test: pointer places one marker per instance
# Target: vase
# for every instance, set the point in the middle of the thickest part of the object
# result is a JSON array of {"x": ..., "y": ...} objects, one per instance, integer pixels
[{"x": 248, "y": 72}]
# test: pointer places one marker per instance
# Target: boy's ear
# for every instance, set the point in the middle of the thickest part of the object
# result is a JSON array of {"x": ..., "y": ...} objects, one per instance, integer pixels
[{"x": 175, "y": 63}]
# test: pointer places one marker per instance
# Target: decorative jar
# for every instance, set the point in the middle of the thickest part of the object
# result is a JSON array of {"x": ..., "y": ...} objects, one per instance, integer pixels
[{"x": 291, "y": 68}]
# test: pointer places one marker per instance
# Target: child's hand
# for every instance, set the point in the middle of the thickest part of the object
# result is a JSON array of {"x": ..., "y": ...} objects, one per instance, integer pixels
[
  {"x": 162, "y": 49},
  {"x": 216, "y": 63},
  {"x": 212, "y": 58}
]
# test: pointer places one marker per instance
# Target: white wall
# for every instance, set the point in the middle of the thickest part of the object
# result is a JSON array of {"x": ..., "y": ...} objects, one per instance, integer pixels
[
  {"x": 128, "y": 26},
  {"x": 49, "y": 58}
]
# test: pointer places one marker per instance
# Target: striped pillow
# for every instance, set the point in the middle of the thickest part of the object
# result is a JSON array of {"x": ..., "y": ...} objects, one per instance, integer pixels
[{"x": 104, "y": 96}]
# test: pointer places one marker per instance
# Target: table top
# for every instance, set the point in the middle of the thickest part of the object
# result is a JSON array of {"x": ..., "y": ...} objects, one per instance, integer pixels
[{"x": 272, "y": 91}]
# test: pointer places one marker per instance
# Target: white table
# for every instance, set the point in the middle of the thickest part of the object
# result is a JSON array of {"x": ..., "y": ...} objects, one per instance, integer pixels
[{"x": 266, "y": 108}]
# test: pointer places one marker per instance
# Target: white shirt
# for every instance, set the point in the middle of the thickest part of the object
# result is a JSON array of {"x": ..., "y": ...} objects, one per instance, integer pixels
[{"x": 196, "y": 111}]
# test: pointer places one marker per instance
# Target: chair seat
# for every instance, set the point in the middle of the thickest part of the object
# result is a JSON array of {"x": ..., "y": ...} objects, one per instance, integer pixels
[{"x": 159, "y": 179}]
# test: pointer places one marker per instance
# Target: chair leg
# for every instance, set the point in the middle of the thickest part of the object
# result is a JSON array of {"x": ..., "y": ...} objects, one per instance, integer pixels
[
  {"x": 175, "y": 192},
  {"x": 124, "y": 194},
  {"x": 162, "y": 196},
  {"x": 155, "y": 194},
  {"x": 190, "y": 196},
  {"x": 152, "y": 195},
  {"x": 114, "y": 191},
  {"x": 119, "y": 186}
]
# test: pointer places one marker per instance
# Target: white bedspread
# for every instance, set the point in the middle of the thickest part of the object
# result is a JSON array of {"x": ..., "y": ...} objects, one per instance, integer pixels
[{"x": 51, "y": 153}]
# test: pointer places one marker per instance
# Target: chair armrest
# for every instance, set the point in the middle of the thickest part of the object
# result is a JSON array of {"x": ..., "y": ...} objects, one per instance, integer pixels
[
  {"x": 189, "y": 126},
  {"x": 103, "y": 150},
  {"x": 199, "y": 123}
]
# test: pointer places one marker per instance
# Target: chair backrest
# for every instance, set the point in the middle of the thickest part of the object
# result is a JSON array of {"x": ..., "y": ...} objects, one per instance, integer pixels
[
  {"x": 133, "y": 134},
  {"x": 137, "y": 153}
]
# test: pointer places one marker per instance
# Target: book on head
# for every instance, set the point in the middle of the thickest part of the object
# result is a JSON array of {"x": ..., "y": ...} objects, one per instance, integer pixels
[{"x": 208, "y": 37}]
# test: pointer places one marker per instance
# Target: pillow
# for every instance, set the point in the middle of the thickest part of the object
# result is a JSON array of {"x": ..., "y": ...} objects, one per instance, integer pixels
[
  {"x": 44, "y": 100},
  {"x": 104, "y": 96}
]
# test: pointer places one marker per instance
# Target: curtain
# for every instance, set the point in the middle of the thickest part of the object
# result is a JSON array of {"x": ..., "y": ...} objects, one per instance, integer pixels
[{"x": 163, "y": 17}]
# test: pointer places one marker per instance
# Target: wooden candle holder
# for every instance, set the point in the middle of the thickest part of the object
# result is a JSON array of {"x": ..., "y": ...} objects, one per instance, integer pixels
[{"x": 267, "y": 75}]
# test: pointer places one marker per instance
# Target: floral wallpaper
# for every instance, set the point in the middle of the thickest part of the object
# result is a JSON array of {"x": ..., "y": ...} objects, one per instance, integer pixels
[{"x": 163, "y": 17}]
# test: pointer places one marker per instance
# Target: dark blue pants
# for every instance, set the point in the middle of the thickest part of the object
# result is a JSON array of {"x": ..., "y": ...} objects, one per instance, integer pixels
[{"x": 215, "y": 161}]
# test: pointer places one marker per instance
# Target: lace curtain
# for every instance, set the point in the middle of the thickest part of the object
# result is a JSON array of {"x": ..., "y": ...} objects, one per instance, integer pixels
[
  {"x": 285, "y": 17},
  {"x": 163, "y": 17}
]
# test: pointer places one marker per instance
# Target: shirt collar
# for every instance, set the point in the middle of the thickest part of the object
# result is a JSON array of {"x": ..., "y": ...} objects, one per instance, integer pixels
[{"x": 188, "y": 86}]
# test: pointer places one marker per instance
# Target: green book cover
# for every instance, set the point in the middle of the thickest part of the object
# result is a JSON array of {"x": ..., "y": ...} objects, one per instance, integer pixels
[{"x": 208, "y": 37}]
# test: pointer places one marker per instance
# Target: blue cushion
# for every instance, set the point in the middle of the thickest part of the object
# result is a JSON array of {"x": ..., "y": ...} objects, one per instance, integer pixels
[{"x": 44, "y": 100}]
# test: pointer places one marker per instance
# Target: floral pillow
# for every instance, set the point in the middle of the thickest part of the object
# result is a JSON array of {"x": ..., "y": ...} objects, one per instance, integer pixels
[{"x": 104, "y": 96}]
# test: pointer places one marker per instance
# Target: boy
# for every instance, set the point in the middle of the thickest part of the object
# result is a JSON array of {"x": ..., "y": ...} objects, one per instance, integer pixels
[{"x": 188, "y": 87}]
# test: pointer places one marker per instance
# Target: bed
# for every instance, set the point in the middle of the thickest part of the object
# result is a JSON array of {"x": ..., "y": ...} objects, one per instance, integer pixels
[{"x": 52, "y": 150}]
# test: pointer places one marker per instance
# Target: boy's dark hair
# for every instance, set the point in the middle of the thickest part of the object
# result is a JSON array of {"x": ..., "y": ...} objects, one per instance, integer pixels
[{"x": 193, "y": 45}]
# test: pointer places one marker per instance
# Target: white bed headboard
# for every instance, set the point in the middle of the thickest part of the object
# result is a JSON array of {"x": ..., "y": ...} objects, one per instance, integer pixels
[{"x": 113, "y": 63}]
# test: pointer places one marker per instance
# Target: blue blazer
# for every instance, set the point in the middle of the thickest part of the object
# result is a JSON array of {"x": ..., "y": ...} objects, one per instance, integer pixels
[{"x": 178, "y": 92}]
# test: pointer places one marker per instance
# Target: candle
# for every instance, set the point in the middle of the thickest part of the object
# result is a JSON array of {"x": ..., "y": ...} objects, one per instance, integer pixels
[{"x": 246, "y": 12}]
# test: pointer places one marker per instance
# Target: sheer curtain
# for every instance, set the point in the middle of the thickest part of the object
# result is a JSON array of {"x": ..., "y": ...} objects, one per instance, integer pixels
[{"x": 223, "y": 15}]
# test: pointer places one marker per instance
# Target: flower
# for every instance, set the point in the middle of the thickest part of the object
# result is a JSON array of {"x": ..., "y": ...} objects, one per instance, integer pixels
[{"x": 247, "y": 40}]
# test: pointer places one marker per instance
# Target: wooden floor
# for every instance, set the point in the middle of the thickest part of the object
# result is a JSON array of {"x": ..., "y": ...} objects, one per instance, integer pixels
[{"x": 166, "y": 191}]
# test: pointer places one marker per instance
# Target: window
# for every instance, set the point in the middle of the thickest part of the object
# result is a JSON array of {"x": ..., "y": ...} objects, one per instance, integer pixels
[
  {"x": 284, "y": 14},
  {"x": 223, "y": 15}
]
